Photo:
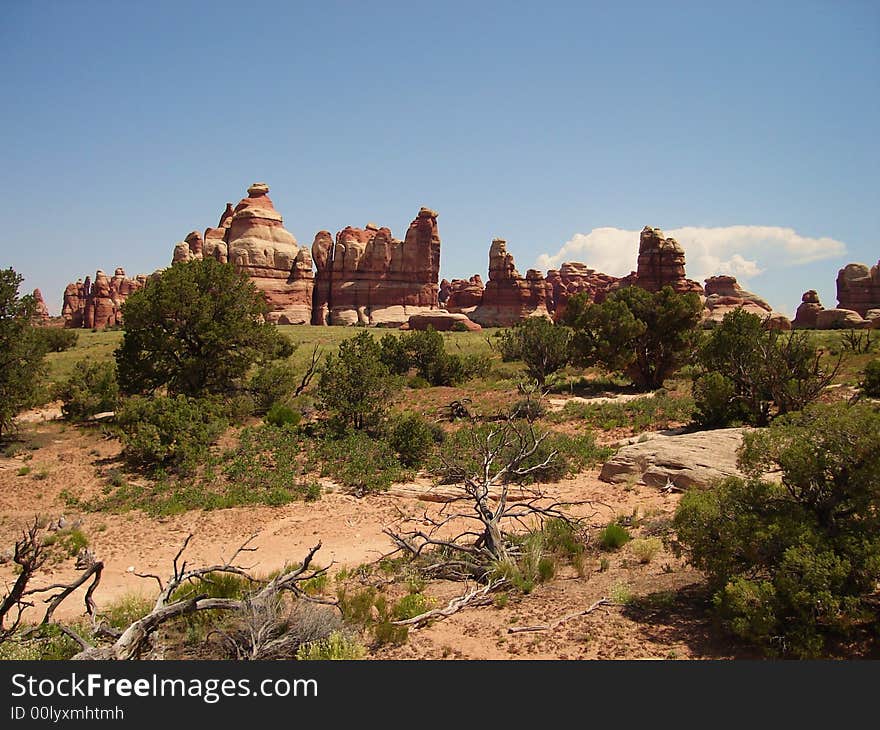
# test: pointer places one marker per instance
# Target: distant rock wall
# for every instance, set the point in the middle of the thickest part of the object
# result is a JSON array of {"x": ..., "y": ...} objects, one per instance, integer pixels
[
  {"x": 366, "y": 276},
  {"x": 98, "y": 305},
  {"x": 858, "y": 288}
]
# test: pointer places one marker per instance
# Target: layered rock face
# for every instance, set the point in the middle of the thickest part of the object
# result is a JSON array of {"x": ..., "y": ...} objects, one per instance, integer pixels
[
  {"x": 259, "y": 244},
  {"x": 508, "y": 297},
  {"x": 463, "y": 295},
  {"x": 858, "y": 288},
  {"x": 574, "y": 278},
  {"x": 807, "y": 313},
  {"x": 41, "y": 316},
  {"x": 252, "y": 236},
  {"x": 99, "y": 304},
  {"x": 661, "y": 262},
  {"x": 366, "y": 276},
  {"x": 724, "y": 294}
]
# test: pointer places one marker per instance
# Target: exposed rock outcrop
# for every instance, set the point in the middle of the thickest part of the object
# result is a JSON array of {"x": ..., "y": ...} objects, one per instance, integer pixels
[
  {"x": 858, "y": 288},
  {"x": 808, "y": 310},
  {"x": 41, "y": 314},
  {"x": 686, "y": 460},
  {"x": 441, "y": 321},
  {"x": 724, "y": 294},
  {"x": 252, "y": 236},
  {"x": 574, "y": 278},
  {"x": 661, "y": 262},
  {"x": 834, "y": 319},
  {"x": 508, "y": 297},
  {"x": 98, "y": 305},
  {"x": 463, "y": 295},
  {"x": 259, "y": 244},
  {"x": 366, "y": 276}
]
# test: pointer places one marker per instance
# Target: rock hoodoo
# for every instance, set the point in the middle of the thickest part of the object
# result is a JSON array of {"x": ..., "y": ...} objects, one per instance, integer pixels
[
  {"x": 808, "y": 310},
  {"x": 858, "y": 288},
  {"x": 661, "y": 262},
  {"x": 724, "y": 294},
  {"x": 508, "y": 297},
  {"x": 99, "y": 304},
  {"x": 366, "y": 276},
  {"x": 41, "y": 316},
  {"x": 252, "y": 236}
]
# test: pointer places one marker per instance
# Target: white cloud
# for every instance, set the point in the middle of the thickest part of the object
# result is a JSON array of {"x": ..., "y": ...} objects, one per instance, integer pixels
[{"x": 742, "y": 251}]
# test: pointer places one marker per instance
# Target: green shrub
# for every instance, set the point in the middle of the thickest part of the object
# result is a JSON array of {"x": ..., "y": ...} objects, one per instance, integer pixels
[
  {"x": 281, "y": 415},
  {"x": 871, "y": 379},
  {"x": 91, "y": 389},
  {"x": 413, "y": 437},
  {"x": 66, "y": 543},
  {"x": 197, "y": 329},
  {"x": 336, "y": 647},
  {"x": 359, "y": 462},
  {"x": 272, "y": 383},
  {"x": 613, "y": 537},
  {"x": 355, "y": 385},
  {"x": 715, "y": 401},
  {"x": 531, "y": 409},
  {"x": 172, "y": 431},
  {"x": 763, "y": 373},
  {"x": 793, "y": 565},
  {"x": 426, "y": 352},
  {"x": 57, "y": 339},
  {"x": 642, "y": 334},
  {"x": 544, "y": 347}
]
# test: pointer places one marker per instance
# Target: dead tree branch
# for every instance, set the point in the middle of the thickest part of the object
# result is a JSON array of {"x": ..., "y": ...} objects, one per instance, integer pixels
[
  {"x": 558, "y": 622},
  {"x": 473, "y": 598},
  {"x": 29, "y": 555}
]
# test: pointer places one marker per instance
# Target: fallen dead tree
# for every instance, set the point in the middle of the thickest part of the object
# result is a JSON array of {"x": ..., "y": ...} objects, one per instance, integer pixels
[{"x": 182, "y": 593}]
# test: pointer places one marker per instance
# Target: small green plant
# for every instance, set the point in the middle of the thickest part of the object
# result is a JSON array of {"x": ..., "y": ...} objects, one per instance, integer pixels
[
  {"x": 871, "y": 379},
  {"x": 23, "y": 471},
  {"x": 604, "y": 564},
  {"x": 336, "y": 647},
  {"x": 42, "y": 473},
  {"x": 613, "y": 537},
  {"x": 620, "y": 594},
  {"x": 501, "y": 599},
  {"x": 411, "y": 605},
  {"x": 66, "y": 543},
  {"x": 282, "y": 415},
  {"x": 645, "y": 549}
]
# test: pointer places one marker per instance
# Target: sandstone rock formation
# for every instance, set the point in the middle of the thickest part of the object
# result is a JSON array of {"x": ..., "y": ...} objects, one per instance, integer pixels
[
  {"x": 252, "y": 236},
  {"x": 808, "y": 310},
  {"x": 661, "y": 262},
  {"x": 858, "y": 288},
  {"x": 686, "y": 460},
  {"x": 463, "y": 295},
  {"x": 369, "y": 277},
  {"x": 573, "y": 278},
  {"x": 41, "y": 316},
  {"x": 724, "y": 294},
  {"x": 259, "y": 244},
  {"x": 441, "y": 321},
  {"x": 833, "y": 319},
  {"x": 508, "y": 297},
  {"x": 98, "y": 305}
]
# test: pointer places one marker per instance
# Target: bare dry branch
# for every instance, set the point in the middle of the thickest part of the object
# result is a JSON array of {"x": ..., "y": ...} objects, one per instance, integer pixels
[
  {"x": 558, "y": 622},
  {"x": 471, "y": 598}
]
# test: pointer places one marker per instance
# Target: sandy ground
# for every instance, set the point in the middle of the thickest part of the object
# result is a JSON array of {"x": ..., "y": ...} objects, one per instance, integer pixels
[{"x": 669, "y": 625}]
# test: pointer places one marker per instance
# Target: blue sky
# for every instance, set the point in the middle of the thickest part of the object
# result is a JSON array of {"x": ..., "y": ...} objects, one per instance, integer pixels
[{"x": 127, "y": 125}]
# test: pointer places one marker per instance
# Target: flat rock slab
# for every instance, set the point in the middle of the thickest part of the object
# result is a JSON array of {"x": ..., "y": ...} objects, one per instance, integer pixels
[{"x": 684, "y": 459}]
